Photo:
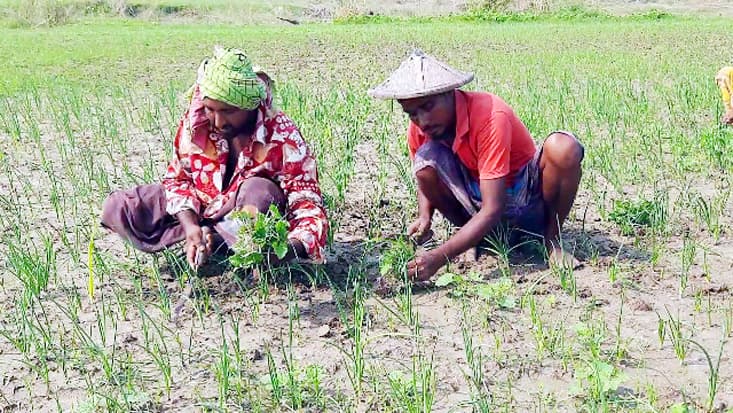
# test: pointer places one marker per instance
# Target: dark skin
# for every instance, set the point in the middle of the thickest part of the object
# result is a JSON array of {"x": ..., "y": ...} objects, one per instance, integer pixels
[
  {"x": 236, "y": 126},
  {"x": 560, "y": 175}
]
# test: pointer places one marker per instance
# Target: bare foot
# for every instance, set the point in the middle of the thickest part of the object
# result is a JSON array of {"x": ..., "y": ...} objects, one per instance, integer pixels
[{"x": 560, "y": 258}]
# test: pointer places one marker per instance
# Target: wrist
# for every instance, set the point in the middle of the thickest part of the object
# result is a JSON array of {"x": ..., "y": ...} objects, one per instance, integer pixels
[
  {"x": 440, "y": 255},
  {"x": 188, "y": 219},
  {"x": 190, "y": 228}
]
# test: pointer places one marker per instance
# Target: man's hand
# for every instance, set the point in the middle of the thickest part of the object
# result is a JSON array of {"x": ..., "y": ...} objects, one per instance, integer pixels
[
  {"x": 198, "y": 245},
  {"x": 420, "y": 230},
  {"x": 728, "y": 118},
  {"x": 425, "y": 265}
]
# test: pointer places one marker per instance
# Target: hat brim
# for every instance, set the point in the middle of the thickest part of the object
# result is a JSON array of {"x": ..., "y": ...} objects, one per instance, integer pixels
[{"x": 386, "y": 92}]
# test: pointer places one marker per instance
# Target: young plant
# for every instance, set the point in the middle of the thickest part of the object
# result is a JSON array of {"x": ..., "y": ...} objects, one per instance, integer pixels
[
  {"x": 596, "y": 383},
  {"x": 499, "y": 243},
  {"x": 713, "y": 373},
  {"x": 709, "y": 213},
  {"x": 481, "y": 396},
  {"x": 547, "y": 338},
  {"x": 499, "y": 293},
  {"x": 356, "y": 370},
  {"x": 393, "y": 262},
  {"x": 566, "y": 274},
  {"x": 632, "y": 216},
  {"x": 687, "y": 259},
  {"x": 620, "y": 350},
  {"x": 414, "y": 393},
  {"x": 260, "y": 236},
  {"x": 223, "y": 370},
  {"x": 277, "y": 389},
  {"x": 680, "y": 343}
]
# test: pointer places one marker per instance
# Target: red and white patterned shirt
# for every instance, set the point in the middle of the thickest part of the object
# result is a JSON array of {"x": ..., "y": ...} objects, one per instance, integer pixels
[{"x": 194, "y": 177}]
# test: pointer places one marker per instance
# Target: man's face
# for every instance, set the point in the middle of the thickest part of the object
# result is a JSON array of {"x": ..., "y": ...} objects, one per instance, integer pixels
[
  {"x": 227, "y": 120},
  {"x": 435, "y": 115}
]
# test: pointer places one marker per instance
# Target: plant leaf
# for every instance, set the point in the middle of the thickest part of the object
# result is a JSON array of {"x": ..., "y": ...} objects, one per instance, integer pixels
[
  {"x": 281, "y": 249},
  {"x": 445, "y": 279}
]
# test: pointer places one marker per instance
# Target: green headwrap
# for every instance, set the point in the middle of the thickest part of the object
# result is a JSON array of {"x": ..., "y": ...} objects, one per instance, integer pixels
[{"x": 228, "y": 77}]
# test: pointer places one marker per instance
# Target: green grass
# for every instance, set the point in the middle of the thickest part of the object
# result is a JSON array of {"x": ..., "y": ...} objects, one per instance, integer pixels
[{"x": 91, "y": 106}]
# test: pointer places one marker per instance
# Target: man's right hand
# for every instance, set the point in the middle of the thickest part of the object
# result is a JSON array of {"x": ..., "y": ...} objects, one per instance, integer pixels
[
  {"x": 198, "y": 244},
  {"x": 198, "y": 241},
  {"x": 420, "y": 230}
]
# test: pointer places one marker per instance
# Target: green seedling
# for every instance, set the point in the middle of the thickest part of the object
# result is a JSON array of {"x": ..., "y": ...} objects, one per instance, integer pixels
[
  {"x": 680, "y": 343},
  {"x": 632, "y": 216},
  {"x": 596, "y": 383},
  {"x": 713, "y": 371},
  {"x": 259, "y": 237},
  {"x": 481, "y": 396},
  {"x": 500, "y": 293},
  {"x": 687, "y": 259},
  {"x": 393, "y": 261},
  {"x": 548, "y": 337}
]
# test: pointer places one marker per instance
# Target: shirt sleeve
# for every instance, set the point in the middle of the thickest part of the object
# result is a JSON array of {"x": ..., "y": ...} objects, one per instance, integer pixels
[
  {"x": 299, "y": 182},
  {"x": 412, "y": 139},
  {"x": 724, "y": 79},
  {"x": 494, "y": 146},
  {"x": 177, "y": 181}
]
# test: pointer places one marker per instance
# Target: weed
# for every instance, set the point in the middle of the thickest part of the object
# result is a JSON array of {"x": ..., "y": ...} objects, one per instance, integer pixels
[
  {"x": 632, "y": 216},
  {"x": 499, "y": 293},
  {"x": 596, "y": 382},
  {"x": 258, "y": 236}
]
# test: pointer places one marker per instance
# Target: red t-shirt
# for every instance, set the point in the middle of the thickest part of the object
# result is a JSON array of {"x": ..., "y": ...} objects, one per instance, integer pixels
[{"x": 491, "y": 141}]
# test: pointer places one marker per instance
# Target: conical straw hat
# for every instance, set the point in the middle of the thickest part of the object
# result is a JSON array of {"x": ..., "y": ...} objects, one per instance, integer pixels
[{"x": 420, "y": 75}]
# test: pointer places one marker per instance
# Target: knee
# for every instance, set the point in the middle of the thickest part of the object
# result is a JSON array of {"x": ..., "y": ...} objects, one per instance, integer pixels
[
  {"x": 260, "y": 193},
  {"x": 427, "y": 157},
  {"x": 427, "y": 177},
  {"x": 564, "y": 150},
  {"x": 112, "y": 207},
  {"x": 432, "y": 151}
]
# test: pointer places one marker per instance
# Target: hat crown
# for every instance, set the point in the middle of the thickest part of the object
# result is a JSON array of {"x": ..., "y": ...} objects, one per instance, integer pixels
[{"x": 420, "y": 75}]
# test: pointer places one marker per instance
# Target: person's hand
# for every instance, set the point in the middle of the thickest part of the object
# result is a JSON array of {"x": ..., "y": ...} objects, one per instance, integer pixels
[
  {"x": 425, "y": 265},
  {"x": 420, "y": 230},
  {"x": 728, "y": 118},
  {"x": 198, "y": 245}
]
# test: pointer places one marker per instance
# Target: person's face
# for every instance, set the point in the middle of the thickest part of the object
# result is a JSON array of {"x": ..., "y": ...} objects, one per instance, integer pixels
[
  {"x": 227, "y": 120},
  {"x": 435, "y": 115}
]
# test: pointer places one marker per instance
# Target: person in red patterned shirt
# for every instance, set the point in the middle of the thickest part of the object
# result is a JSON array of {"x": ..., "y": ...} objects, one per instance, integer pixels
[{"x": 233, "y": 151}]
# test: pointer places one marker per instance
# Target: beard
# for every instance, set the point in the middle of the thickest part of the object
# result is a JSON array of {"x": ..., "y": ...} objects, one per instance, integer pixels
[
  {"x": 231, "y": 132},
  {"x": 228, "y": 133}
]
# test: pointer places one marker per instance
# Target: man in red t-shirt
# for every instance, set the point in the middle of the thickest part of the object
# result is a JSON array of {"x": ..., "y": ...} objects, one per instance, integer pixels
[{"x": 477, "y": 164}]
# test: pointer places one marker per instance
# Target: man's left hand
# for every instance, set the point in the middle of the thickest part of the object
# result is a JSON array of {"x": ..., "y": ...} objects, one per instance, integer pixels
[{"x": 425, "y": 265}]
